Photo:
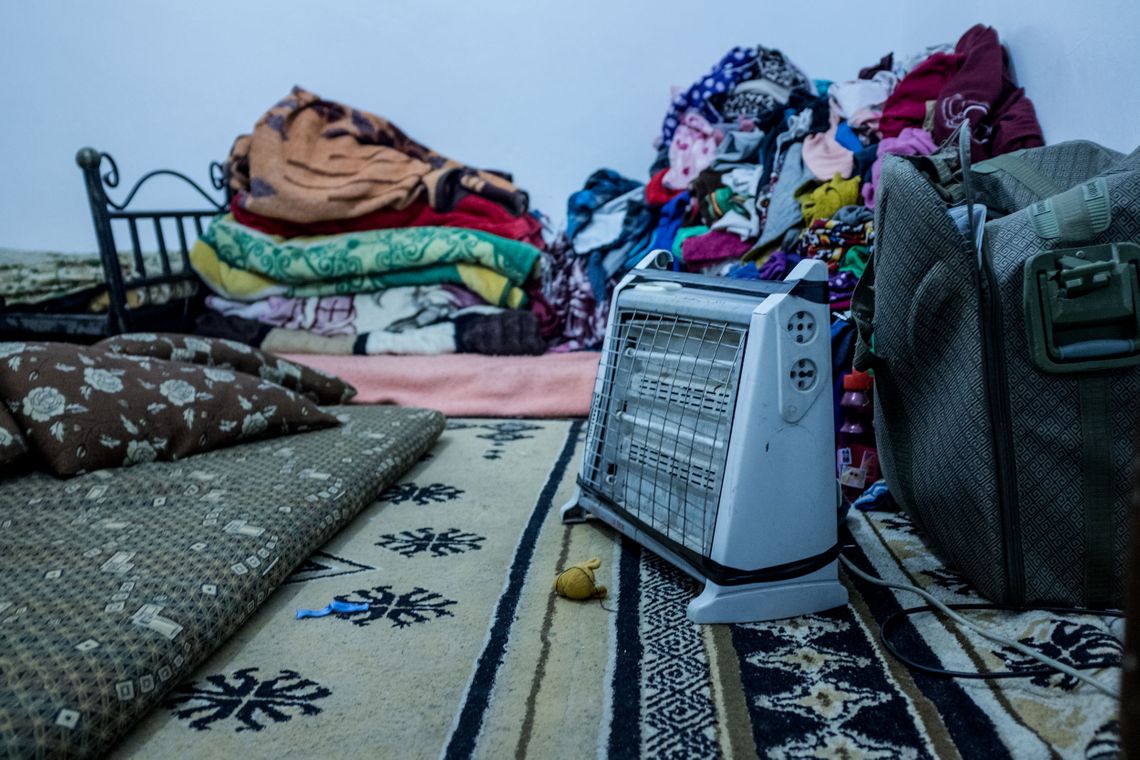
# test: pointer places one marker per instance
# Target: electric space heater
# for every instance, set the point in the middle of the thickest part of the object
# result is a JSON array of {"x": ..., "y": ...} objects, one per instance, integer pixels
[{"x": 711, "y": 437}]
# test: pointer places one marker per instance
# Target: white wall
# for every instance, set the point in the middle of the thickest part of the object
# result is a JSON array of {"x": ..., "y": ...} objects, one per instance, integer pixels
[{"x": 549, "y": 91}]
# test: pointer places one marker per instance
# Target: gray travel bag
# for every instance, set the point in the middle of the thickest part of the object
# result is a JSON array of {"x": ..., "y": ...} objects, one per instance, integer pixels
[{"x": 1000, "y": 317}]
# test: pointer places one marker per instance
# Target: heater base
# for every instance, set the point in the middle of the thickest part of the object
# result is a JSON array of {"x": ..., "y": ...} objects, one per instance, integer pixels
[
  {"x": 756, "y": 602},
  {"x": 742, "y": 603},
  {"x": 572, "y": 511}
]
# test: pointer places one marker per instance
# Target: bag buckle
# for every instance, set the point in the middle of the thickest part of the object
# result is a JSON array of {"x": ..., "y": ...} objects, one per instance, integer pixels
[{"x": 1081, "y": 307}]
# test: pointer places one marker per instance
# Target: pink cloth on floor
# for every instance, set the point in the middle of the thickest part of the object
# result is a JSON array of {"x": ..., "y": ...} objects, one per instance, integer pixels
[{"x": 470, "y": 385}]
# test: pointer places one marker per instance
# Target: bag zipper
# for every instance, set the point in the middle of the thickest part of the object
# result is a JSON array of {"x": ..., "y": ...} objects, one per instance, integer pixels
[{"x": 997, "y": 398}]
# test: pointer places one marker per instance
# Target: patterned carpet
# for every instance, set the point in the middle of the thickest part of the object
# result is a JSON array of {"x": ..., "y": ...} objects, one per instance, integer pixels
[{"x": 464, "y": 651}]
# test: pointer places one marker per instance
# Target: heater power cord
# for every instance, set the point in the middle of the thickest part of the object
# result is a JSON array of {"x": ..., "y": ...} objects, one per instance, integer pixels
[{"x": 950, "y": 612}]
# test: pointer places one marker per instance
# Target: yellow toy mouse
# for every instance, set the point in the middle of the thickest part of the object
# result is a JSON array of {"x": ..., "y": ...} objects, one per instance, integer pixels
[{"x": 577, "y": 581}]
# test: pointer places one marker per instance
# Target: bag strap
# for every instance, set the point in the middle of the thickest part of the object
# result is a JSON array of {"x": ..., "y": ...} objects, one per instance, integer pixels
[
  {"x": 1097, "y": 481},
  {"x": 1022, "y": 170}
]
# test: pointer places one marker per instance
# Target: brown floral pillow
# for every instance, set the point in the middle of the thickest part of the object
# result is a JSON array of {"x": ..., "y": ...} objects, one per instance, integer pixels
[
  {"x": 85, "y": 409},
  {"x": 229, "y": 354},
  {"x": 12, "y": 444}
]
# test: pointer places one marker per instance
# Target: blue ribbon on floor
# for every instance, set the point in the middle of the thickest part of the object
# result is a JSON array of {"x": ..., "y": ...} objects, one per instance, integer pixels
[{"x": 333, "y": 606}]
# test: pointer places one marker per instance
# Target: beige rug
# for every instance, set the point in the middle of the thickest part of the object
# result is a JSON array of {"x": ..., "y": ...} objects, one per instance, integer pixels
[{"x": 464, "y": 651}]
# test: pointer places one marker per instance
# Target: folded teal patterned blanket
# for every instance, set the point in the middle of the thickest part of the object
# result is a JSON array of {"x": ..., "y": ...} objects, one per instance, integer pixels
[{"x": 357, "y": 262}]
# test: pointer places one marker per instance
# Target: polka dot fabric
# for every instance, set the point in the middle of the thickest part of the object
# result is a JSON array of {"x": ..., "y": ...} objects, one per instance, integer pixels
[{"x": 738, "y": 65}]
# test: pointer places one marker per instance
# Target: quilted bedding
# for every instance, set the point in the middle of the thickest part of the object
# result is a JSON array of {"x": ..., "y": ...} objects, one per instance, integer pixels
[{"x": 116, "y": 584}]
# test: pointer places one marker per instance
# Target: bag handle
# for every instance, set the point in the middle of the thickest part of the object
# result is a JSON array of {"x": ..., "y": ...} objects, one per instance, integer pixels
[{"x": 967, "y": 184}]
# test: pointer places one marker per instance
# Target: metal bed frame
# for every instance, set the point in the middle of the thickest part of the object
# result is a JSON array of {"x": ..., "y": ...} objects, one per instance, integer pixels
[{"x": 134, "y": 225}]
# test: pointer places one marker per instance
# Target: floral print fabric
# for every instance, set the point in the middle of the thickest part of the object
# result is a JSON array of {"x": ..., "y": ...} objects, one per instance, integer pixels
[
  {"x": 566, "y": 287},
  {"x": 228, "y": 354},
  {"x": 12, "y": 444},
  {"x": 691, "y": 151},
  {"x": 85, "y": 409},
  {"x": 114, "y": 586}
]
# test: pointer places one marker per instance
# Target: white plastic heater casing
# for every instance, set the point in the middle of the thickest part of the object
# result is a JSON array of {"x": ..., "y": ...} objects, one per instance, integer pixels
[{"x": 777, "y": 504}]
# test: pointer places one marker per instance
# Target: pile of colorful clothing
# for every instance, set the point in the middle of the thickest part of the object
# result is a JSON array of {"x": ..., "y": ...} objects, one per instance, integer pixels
[
  {"x": 346, "y": 236},
  {"x": 760, "y": 166}
]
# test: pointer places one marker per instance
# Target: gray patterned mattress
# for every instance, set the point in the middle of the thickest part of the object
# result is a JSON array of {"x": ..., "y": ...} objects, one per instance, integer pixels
[{"x": 116, "y": 584}]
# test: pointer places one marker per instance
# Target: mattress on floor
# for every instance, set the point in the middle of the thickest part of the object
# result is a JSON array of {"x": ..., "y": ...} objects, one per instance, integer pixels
[
  {"x": 470, "y": 385},
  {"x": 116, "y": 584}
]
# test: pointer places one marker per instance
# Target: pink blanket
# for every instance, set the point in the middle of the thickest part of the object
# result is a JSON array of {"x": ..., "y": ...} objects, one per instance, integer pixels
[{"x": 470, "y": 385}]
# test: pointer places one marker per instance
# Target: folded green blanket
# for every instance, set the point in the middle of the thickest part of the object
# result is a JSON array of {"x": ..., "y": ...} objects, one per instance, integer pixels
[{"x": 358, "y": 262}]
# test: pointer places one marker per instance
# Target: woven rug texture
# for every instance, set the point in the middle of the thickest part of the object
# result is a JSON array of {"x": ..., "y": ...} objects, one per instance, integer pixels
[{"x": 464, "y": 651}]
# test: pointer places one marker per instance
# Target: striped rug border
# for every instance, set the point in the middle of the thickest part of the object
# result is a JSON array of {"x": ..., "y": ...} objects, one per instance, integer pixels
[
  {"x": 625, "y": 688},
  {"x": 469, "y": 720}
]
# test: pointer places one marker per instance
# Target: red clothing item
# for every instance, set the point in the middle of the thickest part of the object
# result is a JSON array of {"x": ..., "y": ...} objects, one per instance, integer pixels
[
  {"x": 549, "y": 326},
  {"x": 1012, "y": 126},
  {"x": 656, "y": 194},
  {"x": 906, "y": 106},
  {"x": 974, "y": 84},
  {"x": 472, "y": 212},
  {"x": 984, "y": 93}
]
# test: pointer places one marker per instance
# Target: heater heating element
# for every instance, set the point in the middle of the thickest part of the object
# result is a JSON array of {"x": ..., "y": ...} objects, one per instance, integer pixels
[
  {"x": 670, "y": 407},
  {"x": 709, "y": 414}
]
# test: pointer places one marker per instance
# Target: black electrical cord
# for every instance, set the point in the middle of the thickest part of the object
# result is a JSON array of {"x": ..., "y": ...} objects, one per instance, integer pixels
[{"x": 896, "y": 619}]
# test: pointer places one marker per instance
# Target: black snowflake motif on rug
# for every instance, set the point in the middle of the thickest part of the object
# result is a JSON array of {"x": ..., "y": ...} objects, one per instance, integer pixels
[
  {"x": 250, "y": 701},
  {"x": 416, "y": 606},
  {"x": 1078, "y": 644},
  {"x": 422, "y": 495},
  {"x": 948, "y": 579},
  {"x": 900, "y": 523},
  {"x": 444, "y": 543},
  {"x": 500, "y": 433}
]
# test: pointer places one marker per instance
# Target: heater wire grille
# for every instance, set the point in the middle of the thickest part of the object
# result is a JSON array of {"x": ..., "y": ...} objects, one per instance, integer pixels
[{"x": 658, "y": 434}]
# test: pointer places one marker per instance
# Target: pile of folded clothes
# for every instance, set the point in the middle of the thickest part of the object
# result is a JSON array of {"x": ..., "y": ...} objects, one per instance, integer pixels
[
  {"x": 759, "y": 166},
  {"x": 345, "y": 236}
]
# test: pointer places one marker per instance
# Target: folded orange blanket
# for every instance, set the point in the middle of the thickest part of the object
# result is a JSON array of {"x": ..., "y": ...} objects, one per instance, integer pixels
[{"x": 312, "y": 160}]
